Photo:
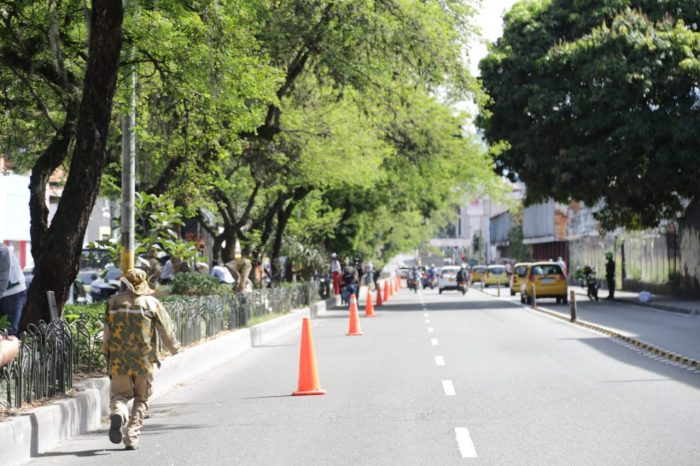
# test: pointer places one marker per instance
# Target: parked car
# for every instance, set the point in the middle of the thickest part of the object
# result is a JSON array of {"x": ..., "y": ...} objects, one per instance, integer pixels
[
  {"x": 518, "y": 276},
  {"x": 544, "y": 280},
  {"x": 447, "y": 278},
  {"x": 495, "y": 275},
  {"x": 403, "y": 272},
  {"x": 106, "y": 284},
  {"x": 478, "y": 273}
]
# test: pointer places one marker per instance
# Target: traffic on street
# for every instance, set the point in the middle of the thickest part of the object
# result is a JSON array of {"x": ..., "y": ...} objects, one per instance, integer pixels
[{"x": 435, "y": 379}]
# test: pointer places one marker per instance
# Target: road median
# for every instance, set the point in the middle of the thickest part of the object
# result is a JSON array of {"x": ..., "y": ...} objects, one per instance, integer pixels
[{"x": 34, "y": 432}]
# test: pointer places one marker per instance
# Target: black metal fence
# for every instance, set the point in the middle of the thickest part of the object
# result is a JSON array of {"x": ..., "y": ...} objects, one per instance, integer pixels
[{"x": 53, "y": 354}]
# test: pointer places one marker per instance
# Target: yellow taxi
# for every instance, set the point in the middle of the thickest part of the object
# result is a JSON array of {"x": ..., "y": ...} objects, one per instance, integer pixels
[
  {"x": 518, "y": 276},
  {"x": 477, "y": 273},
  {"x": 495, "y": 275},
  {"x": 544, "y": 280}
]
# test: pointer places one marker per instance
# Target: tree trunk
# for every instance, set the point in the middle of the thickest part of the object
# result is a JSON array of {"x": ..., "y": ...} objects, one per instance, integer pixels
[
  {"x": 63, "y": 241},
  {"x": 52, "y": 157}
]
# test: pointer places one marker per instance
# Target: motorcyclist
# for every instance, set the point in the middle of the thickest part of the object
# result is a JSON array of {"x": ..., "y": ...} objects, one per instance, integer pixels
[
  {"x": 462, "y": 279},
  {"x": 350, "y": 282},
  {"x": 415, "y": 276}
]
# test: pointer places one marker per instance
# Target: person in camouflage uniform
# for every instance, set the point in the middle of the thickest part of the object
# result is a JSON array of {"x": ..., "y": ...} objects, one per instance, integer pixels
[{"x": 132, "y": 320}]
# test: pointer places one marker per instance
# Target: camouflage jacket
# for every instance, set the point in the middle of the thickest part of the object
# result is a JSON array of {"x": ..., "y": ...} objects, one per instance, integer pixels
[{"x": 132, "y": 323}]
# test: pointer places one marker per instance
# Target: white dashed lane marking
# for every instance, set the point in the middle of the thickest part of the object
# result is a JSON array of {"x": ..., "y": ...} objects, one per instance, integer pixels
[
  {"x": 464, "y": 442},
  {"x": 439, "y": 360},
  {"x": 434, "y": 341},
  {"x": 431, "y": 329},
  {"x": 448, "y": 388}
]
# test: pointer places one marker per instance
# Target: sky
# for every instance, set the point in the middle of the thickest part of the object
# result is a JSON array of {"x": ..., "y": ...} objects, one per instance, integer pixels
[{"x": 490, "y": 22}]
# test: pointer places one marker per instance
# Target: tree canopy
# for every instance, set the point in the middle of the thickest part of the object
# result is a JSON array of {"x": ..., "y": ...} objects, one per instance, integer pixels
[
  {"x": 295, "y": 127},
  {"x": 598, "y": 101}
]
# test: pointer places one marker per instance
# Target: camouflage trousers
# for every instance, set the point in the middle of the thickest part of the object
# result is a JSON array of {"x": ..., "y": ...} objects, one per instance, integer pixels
[{"x": 122, "y": 389}]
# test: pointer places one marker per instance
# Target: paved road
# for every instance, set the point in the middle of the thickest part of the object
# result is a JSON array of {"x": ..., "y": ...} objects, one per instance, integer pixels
[
  {"x": 455, "y": 380},
  {"x": 675, "y": 332}
]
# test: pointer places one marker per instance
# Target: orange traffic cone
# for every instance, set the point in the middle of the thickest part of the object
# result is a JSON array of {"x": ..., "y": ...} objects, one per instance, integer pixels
[
  {"x": 308, "y": 376},
  {"x": 398, "y": 283},
  {"x": 369, "y": 308},
  {"x": 380, "y": 302},
  {"x": 386, "y": 291},
  {"x": 354, "y": 329}
]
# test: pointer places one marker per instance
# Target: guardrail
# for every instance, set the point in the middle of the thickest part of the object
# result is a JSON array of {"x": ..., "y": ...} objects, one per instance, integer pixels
[{"x": 52, "y": 354}]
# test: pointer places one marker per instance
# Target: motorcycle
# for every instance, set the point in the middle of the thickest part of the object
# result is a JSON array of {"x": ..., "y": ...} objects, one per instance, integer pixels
[
  {"x": 347, "y": 291},
  {"x": 590, "y": 281},
  {"x": 412, "y": 284},
  {"x": 462, "y": 285}
]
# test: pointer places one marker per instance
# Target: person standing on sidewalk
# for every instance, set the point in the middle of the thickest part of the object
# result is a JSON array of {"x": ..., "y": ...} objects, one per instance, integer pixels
[
  {"x": 133, "y": 317},
  {"x": 335, "y": 273},
  {"x": 610, "y": 274},
  {"x": 13, "y": 291}
]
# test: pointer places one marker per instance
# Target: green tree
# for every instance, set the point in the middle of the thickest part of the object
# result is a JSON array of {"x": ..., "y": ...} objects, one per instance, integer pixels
[
  {"x": 58, "y": 82},
  {"x": 598, "y": 102}
]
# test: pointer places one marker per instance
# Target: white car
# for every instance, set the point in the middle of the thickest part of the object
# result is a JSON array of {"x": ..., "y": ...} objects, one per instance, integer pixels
[{"x": 447, "y": 278}]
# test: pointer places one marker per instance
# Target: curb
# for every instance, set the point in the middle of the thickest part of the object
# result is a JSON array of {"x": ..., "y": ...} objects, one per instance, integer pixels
[
  {"x": 42, "y": 429},
  {"x": 648, "y": 347}
]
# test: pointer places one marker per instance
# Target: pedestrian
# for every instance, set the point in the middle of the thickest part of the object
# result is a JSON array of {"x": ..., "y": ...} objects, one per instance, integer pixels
[
  {"x": 167, "y": 273},
  {"x": 610, "y": 274},
  {"x": 222, "y": 273},
  {"x": 562, "y": 264},
  {"x": 154, "y": 268},
  {"x": 13, "y": 291},
  {"x": 335, "y": 273},
  {"x": 129, "y": 342}
]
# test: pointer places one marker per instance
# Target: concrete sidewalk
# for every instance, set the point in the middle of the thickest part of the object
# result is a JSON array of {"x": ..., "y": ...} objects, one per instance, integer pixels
[
  {"x": 662, "y": 302},
  {"x": 39, "y": 430}
]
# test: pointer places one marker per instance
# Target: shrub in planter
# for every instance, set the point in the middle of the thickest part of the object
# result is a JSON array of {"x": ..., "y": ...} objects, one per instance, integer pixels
[{"x": 193, "y": 283}]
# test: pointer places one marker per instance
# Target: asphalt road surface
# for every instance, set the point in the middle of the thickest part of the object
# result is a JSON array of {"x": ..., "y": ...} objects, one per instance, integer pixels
[{"x": 435, "y": 380}]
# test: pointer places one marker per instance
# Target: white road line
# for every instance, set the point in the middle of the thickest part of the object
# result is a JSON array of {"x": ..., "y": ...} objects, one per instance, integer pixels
[
  {"x": 434, "y": 341},
  {"x": 439, "y": 360},
  {"x": 427, "y": 321},
  {"x": 426, "y": 315},
  {"x": 465, "y": 444},
  {"x": 431, "y": 329},
  {"x": 448, "y": 388}
]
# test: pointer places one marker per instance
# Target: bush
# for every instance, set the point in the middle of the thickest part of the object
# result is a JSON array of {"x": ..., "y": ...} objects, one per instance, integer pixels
[{"x": 193, "y": 283}]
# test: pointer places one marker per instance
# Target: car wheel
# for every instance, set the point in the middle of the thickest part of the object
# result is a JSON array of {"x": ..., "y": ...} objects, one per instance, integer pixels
[
  {"x": 528, "y": 300},
  {"x": 565, "y": 300},
  {"x": 522, "y": 299},
  {"x": 440, "y": 290},
  {"x": 512, "y": 293}
]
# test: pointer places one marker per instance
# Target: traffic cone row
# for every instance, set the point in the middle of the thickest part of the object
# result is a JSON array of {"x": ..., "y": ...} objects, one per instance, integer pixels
[{"x": 309, "y": 383}]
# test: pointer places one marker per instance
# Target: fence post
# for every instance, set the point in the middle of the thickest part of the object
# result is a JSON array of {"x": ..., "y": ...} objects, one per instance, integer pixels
[
  {"x": 482, "y": 283},
  {"x": 534, "y": 298},
  {"x": 572, "y": 304},
  {"x": 499, "y": 288},
  {"x": 53, "y": 308}
]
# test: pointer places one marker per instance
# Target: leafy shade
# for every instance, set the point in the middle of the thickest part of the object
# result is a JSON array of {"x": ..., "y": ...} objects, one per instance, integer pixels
[{"x": 598, "y": 102}]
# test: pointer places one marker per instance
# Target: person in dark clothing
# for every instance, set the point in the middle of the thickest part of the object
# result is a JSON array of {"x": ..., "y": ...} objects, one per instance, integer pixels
[{"x": 610, "y": 275}]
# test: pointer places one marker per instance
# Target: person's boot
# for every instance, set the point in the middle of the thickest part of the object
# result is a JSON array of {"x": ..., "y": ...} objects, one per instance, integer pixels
[{"x": 115, "y": 428}]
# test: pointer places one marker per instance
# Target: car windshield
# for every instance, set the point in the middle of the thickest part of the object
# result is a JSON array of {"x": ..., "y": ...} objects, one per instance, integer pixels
[
  {"x": 113, "y": 273},
  {"x": 497, "y": 270},
  {"x": 521, "y": 271},
  {"x": 451, "y": 270},
  {"x": 546, "y": 269}
]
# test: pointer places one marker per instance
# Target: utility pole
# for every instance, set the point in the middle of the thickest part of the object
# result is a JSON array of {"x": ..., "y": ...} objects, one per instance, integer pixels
[{"x": 128, "y": 180}]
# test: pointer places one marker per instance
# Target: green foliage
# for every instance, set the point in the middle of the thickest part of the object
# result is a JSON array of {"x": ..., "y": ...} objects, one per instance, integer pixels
[
  {"x": 193, "y": 283},
  {"x": 4, "y": 322},
  {"x": 598, "y": 101}
]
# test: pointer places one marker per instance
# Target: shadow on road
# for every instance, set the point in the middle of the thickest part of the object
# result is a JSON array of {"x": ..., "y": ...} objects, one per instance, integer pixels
[{"x": 613, "y": 349}]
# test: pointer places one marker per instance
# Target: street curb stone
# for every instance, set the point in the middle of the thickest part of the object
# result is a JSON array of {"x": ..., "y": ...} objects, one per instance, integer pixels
[{"x": 40, "y": 430}]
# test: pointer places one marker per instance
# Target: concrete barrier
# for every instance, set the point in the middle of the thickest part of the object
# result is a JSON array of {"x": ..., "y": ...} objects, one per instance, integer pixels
[{"x": 42, "y": 429}]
